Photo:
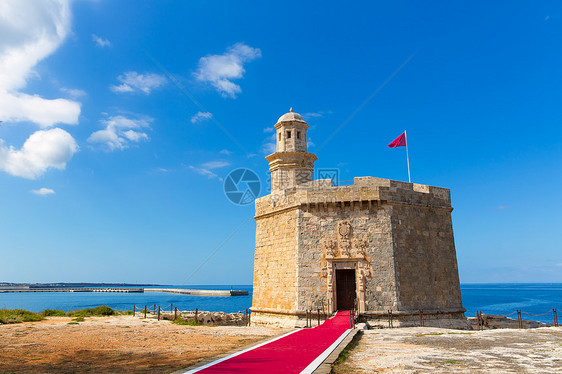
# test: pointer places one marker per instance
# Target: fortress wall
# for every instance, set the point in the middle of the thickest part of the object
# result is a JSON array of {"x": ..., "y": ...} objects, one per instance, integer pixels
[
  {"x": 406, "y": 192},
  {"x": 364, "y": 189},
  {"x": 311, "y": 276},
  {"x": 373, "y": 225},
  {"x": 410, "y": 252},
  {"x": 426, "y": 258},
  {"x": 380, "y": 289},
  {"x": 275, "y": 262}
]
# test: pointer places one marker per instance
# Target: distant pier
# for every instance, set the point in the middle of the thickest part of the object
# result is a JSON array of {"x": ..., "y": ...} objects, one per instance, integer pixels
[
  {"x": 80, "y": 289},
  {"x": 199, "y": 292},
  {"x": 128, "y": 290}
]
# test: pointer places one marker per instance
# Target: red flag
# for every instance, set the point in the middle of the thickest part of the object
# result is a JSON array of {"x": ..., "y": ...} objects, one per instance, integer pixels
[{"x": 399, "y": 141}]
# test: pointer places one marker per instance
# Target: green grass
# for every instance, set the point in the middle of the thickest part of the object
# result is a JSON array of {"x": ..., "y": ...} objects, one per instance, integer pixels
[
  {"x": 183, "y": 322},
  {"x": 452, "y": 362},
  {"x": 78, "y": 319},
  {"x": 101, "y": 310},
  {"x": 53, "y": 313},
  {"x": 429, "y": 334},
  {"x": 345, "y": 353},
  {"x": 18, "y": 316}
]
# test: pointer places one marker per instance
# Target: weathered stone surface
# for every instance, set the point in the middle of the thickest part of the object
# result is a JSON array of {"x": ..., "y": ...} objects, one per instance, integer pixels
[
  {"x": 275, "y": 262},
  {"x": 211, "y": 318},
  {"x": 490, "y": 321},
  {"x": 437, "y": 350}
]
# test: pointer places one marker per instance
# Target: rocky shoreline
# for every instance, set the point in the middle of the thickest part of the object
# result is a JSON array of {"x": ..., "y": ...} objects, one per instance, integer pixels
[{"x": 491, "y": 321}]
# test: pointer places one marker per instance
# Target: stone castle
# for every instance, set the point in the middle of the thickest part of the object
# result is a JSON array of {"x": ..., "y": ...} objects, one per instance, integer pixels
[{"x": 382, "y": 247}]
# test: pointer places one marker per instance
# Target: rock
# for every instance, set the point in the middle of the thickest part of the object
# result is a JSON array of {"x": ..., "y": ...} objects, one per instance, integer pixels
[
  {"x": 492, "y": 321},
  {"x": 215, "y": 318}
]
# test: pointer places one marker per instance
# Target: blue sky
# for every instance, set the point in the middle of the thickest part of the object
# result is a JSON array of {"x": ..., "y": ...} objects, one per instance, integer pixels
[{"x": 121, "y": 119}]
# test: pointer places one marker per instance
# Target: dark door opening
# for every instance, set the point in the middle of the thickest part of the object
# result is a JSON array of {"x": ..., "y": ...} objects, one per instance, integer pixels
[{"x": 345, "y": 289}]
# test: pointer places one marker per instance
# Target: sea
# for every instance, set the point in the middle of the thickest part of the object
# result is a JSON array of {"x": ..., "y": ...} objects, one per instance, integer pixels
[{"x": 535, "y": 300}]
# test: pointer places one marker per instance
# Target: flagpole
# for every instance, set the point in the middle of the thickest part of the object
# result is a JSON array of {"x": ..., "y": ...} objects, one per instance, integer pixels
[{"x": 407, "y": 156}]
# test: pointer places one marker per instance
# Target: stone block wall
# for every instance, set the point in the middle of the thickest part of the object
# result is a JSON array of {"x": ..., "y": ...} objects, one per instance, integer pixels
[
  {"x": 275, "y": 262},
  {"x": 371, "y": 225},
  {"x": 400, "y": 243},
  {"x": 426, "y": 258}
]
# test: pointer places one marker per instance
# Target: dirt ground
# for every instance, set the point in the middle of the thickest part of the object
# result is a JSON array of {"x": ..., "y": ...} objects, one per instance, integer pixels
[
  {"x": 127, "y": 344},
  {"x": 121, "y": 344},
  {"x": 433, "y": 350}
]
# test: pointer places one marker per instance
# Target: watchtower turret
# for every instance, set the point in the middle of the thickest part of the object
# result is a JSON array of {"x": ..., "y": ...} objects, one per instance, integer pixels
[{"x": 291, "y": 164}]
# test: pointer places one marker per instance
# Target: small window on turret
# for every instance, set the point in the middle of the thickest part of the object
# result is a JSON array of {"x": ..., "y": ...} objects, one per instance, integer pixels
[
  {"x": 279, "y": 135},
  {"x": 288, "y": 135},
  {"x": 298, "y": 134}
]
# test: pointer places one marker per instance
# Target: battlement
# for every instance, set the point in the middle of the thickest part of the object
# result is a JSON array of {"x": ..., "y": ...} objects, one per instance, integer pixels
[{"x": 365, "y": 191}]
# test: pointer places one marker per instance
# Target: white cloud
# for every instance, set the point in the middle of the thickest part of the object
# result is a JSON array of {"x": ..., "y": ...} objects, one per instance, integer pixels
[
  {"x": 205, "y": 172},
  {"x": 201, "y": 116},
  {"x": 215, "y": 164},
  {"x": 207, "y": 167},
  {"x": 269, "y": 129},
  {"x": 225, "y": 152},
  {"x": 320, "y": 113},
  {"x": 100, "y": 42},
  {"x": 31, "y": 31},
  {"x": 75, "y": 93},
  {"x": 132, "y": 81},
  {"x": 269, "y": 145},
  {"x": 135, "y": 136},
  {"x": 119, "y": 132},
  {"x": 43, "y": 150},
  {"x": 220, "y": 70},
  {"x": 43, "y": 191},
  {"x": 269, "y": 148},
  {"x": 18, "y": 107}
]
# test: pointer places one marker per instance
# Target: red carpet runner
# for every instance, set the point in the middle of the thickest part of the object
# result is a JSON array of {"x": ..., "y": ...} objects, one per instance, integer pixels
[{"x": 292, "y": 353}]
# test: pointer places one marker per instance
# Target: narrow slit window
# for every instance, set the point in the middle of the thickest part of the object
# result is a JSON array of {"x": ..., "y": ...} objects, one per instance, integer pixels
[
  {"x": 288, "y": 135},
  {"x": 298, "y": 134},
  {"x": 279, "y": 135}
]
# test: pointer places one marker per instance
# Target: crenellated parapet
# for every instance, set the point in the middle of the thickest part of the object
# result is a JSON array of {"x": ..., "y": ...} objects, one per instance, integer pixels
[{"x": 364, "y": 193}]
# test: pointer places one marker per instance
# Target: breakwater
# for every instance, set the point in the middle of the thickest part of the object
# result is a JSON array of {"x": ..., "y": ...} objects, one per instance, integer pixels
[
  {"x": 80, "y": 289},
  {"x": 199, "y": 292},
  {"x": 131, "y": 290}
]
